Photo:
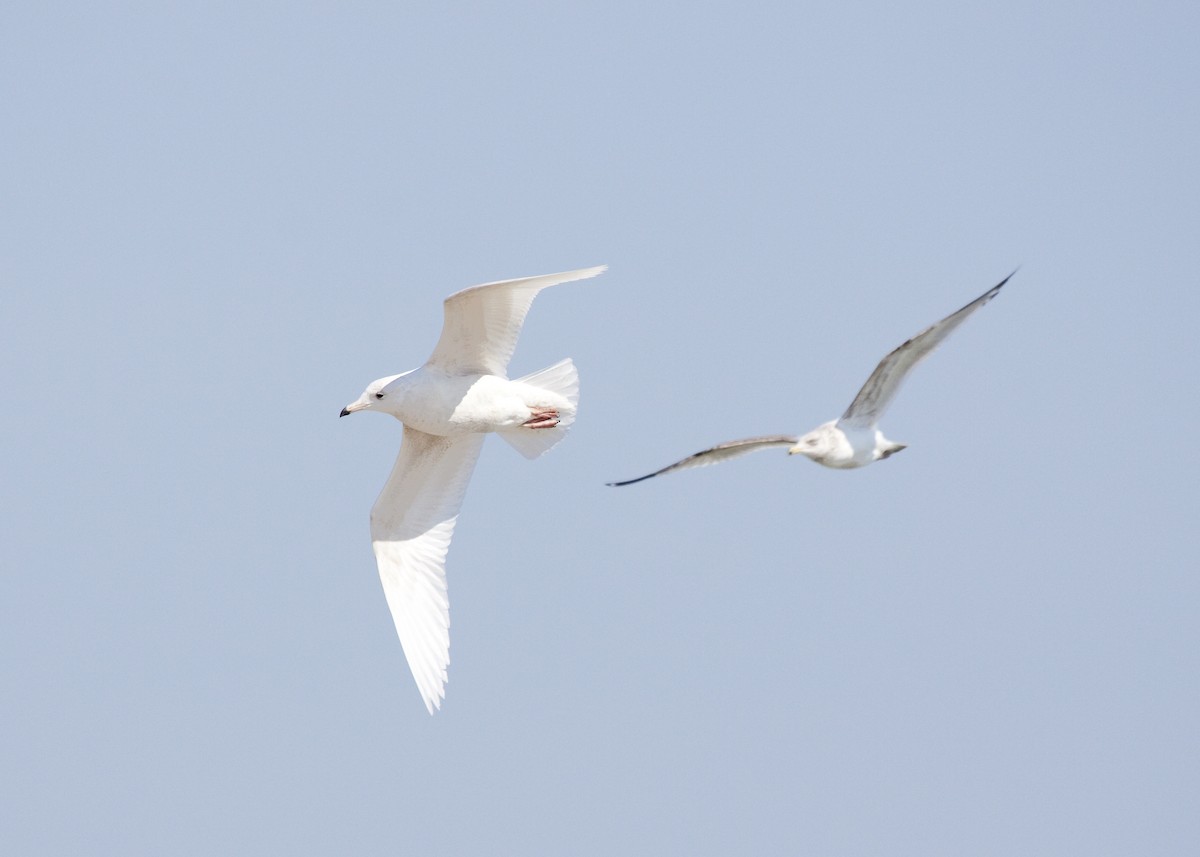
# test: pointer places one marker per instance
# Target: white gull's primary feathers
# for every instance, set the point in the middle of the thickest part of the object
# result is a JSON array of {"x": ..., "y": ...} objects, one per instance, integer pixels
[
  {"x": 853, "y": 440},
  {"x": 447, "y": 406}
]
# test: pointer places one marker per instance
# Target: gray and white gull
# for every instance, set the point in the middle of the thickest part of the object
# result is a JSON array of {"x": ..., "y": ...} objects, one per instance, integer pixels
[
  {"x": 853, "y": 440},
  {"x": 447, "y": 407}
]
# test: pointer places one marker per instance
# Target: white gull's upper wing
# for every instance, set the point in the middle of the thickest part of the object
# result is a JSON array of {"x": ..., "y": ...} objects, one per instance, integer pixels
[
  {"x": 411, "y": 525},
  {"x": 482, "y": 323},
  {"x": 875, "y": 396},
  {"x": 720, "y": 452}
]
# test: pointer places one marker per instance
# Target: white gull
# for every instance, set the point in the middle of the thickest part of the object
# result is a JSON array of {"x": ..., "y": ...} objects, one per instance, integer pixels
[
  {"x": 853, "y": 440},
  {"x": 447, "y": 406}
]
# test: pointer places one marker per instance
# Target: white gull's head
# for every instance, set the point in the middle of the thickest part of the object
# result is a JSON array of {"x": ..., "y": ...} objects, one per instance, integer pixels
[{"x": 375, "y": 397}]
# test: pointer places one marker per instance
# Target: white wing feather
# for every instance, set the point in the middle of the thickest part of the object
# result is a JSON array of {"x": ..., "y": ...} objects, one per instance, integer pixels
[
  {"x": 875, "y": 396},
  {"x": 482, "y": 323},
  {"x": 411, "y": 526}
]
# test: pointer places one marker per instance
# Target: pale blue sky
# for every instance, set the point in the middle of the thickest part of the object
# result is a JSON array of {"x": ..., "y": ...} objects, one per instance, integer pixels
[{"x": 220, "y": 221}]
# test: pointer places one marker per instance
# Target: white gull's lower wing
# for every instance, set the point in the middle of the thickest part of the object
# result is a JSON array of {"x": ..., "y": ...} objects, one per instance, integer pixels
[{"x": 412, "y": 523}]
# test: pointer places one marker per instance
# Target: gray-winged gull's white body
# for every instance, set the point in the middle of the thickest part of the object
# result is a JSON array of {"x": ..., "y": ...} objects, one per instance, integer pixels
[
  {"x": 447, "y": 406},
  {"x": 854, "y": 439}
]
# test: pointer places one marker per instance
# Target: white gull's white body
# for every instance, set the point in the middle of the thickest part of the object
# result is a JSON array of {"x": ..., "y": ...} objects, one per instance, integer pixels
[
  {"x": 447, "y": 406},
  {"x": 853, "y": 440}
]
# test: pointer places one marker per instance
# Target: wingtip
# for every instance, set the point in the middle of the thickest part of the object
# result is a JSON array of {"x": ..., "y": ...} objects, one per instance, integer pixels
[
  {"x": 1006, "y": 279},
  {"x": 629, "y": 481},
  {"x": 594, "y": 271},
  {"x": 433, "y": 704},
  {"x": 581, "y": 273}
]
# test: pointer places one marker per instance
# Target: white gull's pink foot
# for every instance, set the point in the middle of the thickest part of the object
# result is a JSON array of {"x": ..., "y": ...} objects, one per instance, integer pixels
[{"x": 542, "y": 418}]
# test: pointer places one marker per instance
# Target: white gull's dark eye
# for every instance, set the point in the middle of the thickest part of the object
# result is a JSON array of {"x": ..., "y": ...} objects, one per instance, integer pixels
[{"x": 379, "y": 395}]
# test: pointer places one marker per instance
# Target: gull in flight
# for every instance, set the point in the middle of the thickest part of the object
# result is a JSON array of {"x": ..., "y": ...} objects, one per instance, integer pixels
[
  {"x": 853, "y": 440},
  {"x": 447, "y": 406}
]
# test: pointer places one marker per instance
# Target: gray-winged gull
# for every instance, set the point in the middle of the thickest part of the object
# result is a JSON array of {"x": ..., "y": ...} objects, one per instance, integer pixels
[{"x": 853, "y": 440}]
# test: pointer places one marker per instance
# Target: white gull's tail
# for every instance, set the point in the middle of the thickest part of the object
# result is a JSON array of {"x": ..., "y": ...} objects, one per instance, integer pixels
[{"x": 562, "y": 380}]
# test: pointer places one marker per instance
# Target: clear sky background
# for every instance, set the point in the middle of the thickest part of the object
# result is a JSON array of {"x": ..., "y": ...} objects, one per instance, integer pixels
[{"x": 221, "y": 220}]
